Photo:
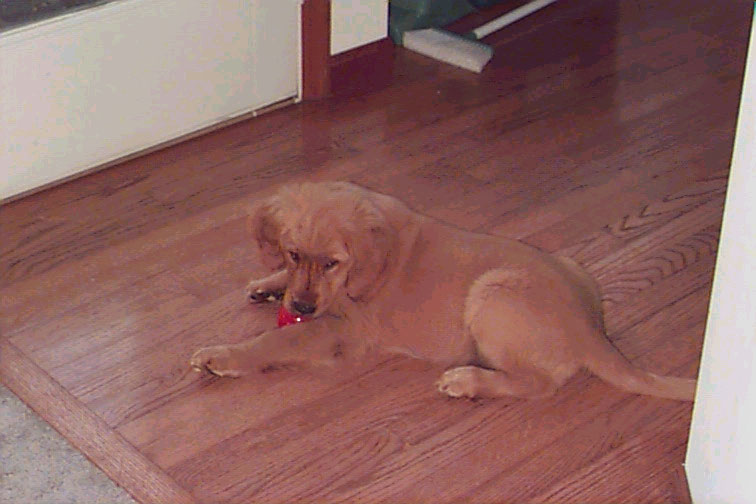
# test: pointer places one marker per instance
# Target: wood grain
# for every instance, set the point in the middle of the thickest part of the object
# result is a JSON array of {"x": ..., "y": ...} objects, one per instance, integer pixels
[
  {"x": 601, "y": 130},
  {"x": 113, "y": 454}
]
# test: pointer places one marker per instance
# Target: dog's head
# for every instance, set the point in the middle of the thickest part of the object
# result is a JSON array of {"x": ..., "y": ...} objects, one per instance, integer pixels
[{"x": 330, "y": 237}]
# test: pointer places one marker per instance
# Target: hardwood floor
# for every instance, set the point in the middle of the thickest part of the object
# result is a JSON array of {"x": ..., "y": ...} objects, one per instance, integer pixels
[{"x": 601, "y": 130}]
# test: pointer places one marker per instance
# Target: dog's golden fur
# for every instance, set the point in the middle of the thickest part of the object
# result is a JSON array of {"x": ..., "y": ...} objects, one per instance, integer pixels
[{"x": 504, "y": 317}]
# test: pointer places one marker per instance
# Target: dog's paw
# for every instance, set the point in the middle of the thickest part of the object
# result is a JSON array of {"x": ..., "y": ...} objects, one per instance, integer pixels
[
  {"x": 218, "y": 360},
  {"x": 256, "y": 294},
  {"x": 459, "y": 382}
]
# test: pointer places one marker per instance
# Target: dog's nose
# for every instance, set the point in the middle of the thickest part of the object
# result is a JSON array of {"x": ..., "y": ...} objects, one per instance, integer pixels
[{"x": 303, "y": 308}]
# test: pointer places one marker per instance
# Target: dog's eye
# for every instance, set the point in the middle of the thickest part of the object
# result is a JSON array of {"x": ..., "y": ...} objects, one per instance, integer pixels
[
  {"x": 331, "y": 264},
  {"x": 294, "y": 256}
]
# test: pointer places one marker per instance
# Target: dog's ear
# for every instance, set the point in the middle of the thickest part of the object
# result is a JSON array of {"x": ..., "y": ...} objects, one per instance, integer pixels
[
  {"x": 264, "y": 226},
  {"x": 371, "y": 245}
]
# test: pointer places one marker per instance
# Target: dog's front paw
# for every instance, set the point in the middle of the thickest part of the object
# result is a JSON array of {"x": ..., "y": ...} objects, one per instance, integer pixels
[
  {"x": 218, "y": 360},
  {"x": 258, "y": 294},
  {"x": 459, "y": 382}
]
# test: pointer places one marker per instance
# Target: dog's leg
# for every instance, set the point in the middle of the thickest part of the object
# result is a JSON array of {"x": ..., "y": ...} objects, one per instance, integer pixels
[
  {"x": 270, "y": 288},
  {"x": 473, "y": 381},
  {"x": 517, "y": 327},
  {"x": 312, "y": 343}
]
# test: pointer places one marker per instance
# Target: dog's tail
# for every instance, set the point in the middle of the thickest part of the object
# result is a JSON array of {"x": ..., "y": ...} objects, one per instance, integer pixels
[{"x": 610, "y": 365}]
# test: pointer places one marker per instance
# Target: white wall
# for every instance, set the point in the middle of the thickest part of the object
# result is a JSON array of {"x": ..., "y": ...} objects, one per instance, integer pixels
[
  {"x": 357, "y": 22},
  {"x": 84, "y": 89},
  {"x": 721, "y": 458}
]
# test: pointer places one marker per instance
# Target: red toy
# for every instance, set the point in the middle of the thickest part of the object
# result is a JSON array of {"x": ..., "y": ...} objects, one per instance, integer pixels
[{"x": 285, "y": 318}]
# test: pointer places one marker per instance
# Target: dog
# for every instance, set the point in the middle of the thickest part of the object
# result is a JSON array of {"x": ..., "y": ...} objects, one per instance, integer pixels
[{"x": 505, "y": 318}]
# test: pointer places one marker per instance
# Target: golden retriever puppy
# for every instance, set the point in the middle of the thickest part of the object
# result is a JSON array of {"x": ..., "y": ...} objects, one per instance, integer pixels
[{"x": 505, "y": 318}]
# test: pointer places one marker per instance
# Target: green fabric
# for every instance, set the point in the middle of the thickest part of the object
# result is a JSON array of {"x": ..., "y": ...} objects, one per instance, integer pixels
[{"x": 480, "y": 4}]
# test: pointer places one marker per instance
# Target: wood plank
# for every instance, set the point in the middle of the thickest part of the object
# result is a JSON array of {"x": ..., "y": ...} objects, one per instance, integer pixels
[
  {"x": 208, "y": 270},
  {"x": 538, "y": 477},
  {"x": 114, "y": 455},
  {"x": 638, "y": 466}
]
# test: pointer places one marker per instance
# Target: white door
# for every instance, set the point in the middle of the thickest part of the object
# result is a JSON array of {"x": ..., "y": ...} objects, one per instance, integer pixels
[
  {"x": 722, "y": 446},
  {"x": 87, "y": 88}
]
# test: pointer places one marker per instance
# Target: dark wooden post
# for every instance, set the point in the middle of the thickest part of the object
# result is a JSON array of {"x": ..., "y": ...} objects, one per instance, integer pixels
[{"x": 316, "y": 49}]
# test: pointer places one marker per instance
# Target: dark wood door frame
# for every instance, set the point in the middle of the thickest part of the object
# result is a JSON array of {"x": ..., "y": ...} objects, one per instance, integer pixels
[
  {"x": 352, "y": 71},
  {"x": 316, "y": 49}
]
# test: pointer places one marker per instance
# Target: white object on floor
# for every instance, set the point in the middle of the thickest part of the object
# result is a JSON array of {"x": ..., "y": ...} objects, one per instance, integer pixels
[
  {"x": 449, "y": 48},
  {"x": 465, "y": 51}
]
